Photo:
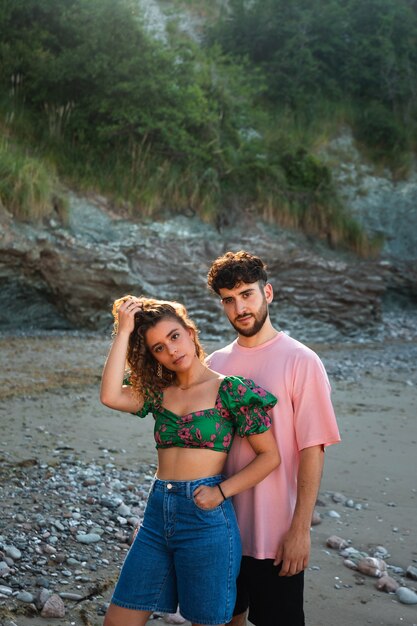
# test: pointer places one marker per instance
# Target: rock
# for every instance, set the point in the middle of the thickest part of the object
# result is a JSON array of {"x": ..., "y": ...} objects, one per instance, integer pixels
[
  {"x": 6, "y": 591},
  {"x": 386, "y": 583},
  {"x": 339, "y": 497},
  {"x": 41, "y": 597},
  {"x": 372, "y": 566},
  {"x": 13, "y": 552},
  {"x": 411, "y": 572},
  {"x": 379, "y": 552},
  {"x": 406, "y": 596},
  {"x": 336, "y": 542},
  {"x": 88, "y": 538},
  {"x": 25, "y": 596},
  {"x": 53, "y": 607},
  {"x": 316, "y": 518},
  {"x": 123, "y": 510},
  {"x": 76, "y": 597},
  {"x": 66, "y": 276},
  {"x": 4, "y": 569},
  {"x": 353, "y": 553},
  {"x": 333, "y": 514}
]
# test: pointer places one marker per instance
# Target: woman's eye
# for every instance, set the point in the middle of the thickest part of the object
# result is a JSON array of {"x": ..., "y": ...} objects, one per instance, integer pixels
[
  {"x": 175, "y": 336},
  {"x": 157, "y": 349}
]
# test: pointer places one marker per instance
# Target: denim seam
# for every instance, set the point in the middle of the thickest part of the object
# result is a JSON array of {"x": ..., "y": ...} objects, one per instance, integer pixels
[{"x": 229, "y": 577}]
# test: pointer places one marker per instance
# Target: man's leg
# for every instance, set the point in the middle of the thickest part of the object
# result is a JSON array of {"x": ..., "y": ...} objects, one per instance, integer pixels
[
  {"x": 242, "y": 598},
  {"x": 238, "y": 620},
  {"x": 273, "y": 600}
]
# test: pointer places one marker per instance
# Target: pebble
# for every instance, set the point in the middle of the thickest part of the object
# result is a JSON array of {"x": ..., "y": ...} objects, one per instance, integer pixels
[
  {"x": 88, "y": 538},
  {"x": 315, "y": 518},
  {"x": 379, "y": 552},
  {"x": 336, "y": 542},
  {"x": 13, "y": 552},
  {"x": 25, "y": 596},
  {"x": 339, "y": 497},
  {"x": 412, "y": 572},
  {"x": 386, "y": 583},
  {"x": 372, "y": 566},
  {"x": 51, "y": 558},
  {"x": 4, "y": 569},
  {"x": 42, "y": 597},
  {"x": 406, "y": 596},
  {"x": 53, "y": 607},
  {"x": 66, "y": 595}
]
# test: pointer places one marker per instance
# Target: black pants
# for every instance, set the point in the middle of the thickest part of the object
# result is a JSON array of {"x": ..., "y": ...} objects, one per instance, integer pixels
[{"x": 272, "y": 600}]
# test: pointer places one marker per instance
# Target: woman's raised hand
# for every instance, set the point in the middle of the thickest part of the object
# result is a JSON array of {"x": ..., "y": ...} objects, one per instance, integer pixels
[
  {"x": 126, "y": 315},
  {"x": 114, "y": 393}
]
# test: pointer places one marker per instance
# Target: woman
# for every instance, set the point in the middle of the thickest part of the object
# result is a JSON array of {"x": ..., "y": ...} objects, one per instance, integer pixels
[{"x": 187, "y": 550}]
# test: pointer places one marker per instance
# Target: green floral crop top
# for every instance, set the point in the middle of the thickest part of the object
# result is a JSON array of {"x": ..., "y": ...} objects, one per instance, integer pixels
[{"x": 241, "y": 407}]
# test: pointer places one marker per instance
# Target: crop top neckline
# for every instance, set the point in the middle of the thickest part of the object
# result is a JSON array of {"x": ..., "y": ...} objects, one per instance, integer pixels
[{"x": 211, "y": 408}]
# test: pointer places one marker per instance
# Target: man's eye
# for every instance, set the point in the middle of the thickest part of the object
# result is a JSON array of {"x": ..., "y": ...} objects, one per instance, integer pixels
[{"x": 227, "y": 300}]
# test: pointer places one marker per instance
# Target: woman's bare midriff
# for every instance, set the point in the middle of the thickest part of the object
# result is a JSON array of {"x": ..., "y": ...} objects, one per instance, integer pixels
[{"x": 189, "y": 463}]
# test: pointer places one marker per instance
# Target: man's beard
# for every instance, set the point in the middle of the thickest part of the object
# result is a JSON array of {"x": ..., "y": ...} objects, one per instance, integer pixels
[{"x": 259, "y": 320}]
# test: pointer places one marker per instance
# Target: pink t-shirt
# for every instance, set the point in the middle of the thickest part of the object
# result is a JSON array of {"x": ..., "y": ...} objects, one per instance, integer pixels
[{"x": 303, "y": 417}]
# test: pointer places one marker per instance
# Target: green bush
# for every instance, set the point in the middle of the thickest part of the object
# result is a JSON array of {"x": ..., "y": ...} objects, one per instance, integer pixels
[
  {"x": 29, "y": 187},
  {"x": 166, "y": 126},
  {"x": 377, "y": 126}
]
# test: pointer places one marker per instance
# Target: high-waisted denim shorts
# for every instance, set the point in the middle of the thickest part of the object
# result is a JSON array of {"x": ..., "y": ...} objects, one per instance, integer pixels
[{"x": 183, "y": 555}]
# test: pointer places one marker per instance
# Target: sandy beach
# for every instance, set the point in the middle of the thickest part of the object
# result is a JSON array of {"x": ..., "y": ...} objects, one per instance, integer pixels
[{"x": 49, "y": 409}]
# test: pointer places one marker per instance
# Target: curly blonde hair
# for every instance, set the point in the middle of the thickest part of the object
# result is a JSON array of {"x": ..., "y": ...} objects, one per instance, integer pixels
[{"x": 141, "y": 364}]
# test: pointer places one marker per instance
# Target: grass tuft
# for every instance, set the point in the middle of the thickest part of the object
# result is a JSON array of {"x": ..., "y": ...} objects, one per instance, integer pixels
[{"x": 29, "y": 186}]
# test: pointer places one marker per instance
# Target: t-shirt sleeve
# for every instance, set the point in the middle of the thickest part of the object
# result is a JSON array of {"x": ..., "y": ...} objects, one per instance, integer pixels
[
  {"x": 148, "y": 405},
  {"x": 248, "y": 403},
  {"x": 314, "y": 418}
]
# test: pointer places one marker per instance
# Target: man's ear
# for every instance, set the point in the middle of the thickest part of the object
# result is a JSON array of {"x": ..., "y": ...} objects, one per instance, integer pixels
[{"x": 269, "y": 292}]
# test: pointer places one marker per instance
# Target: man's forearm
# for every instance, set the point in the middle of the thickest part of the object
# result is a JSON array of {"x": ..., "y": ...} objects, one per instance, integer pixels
[{"x": 308, "y": 483}]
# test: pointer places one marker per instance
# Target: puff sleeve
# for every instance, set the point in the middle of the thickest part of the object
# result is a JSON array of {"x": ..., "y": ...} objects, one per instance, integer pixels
[{"x": 248, "y": 404}]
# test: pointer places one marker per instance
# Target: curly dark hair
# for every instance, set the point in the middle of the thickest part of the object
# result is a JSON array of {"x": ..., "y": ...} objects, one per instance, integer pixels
[
  {"x": 141, "y": 364},
  {"x": 234, "y": 268}
]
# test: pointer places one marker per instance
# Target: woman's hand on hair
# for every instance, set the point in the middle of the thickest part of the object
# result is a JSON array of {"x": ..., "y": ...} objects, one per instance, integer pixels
[{"x": 126, "y": 315}]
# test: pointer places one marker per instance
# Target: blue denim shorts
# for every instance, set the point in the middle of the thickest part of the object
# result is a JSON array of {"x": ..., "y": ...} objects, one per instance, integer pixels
[{"x": 183, "y": 555}]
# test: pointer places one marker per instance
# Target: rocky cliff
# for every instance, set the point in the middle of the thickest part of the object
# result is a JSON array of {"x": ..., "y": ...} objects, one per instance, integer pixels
[{"x": 65, "y": 276}]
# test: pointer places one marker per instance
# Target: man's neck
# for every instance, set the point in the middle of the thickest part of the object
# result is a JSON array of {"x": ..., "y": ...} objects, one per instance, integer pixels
[{"x": 266, "y": 333}]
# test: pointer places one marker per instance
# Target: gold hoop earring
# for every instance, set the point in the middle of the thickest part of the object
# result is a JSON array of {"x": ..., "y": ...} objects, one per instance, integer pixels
[{"x": 159, "y": 370}]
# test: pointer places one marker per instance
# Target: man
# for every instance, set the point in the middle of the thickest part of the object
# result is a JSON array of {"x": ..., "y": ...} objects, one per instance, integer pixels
[{"x": 275, "y": 516}]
